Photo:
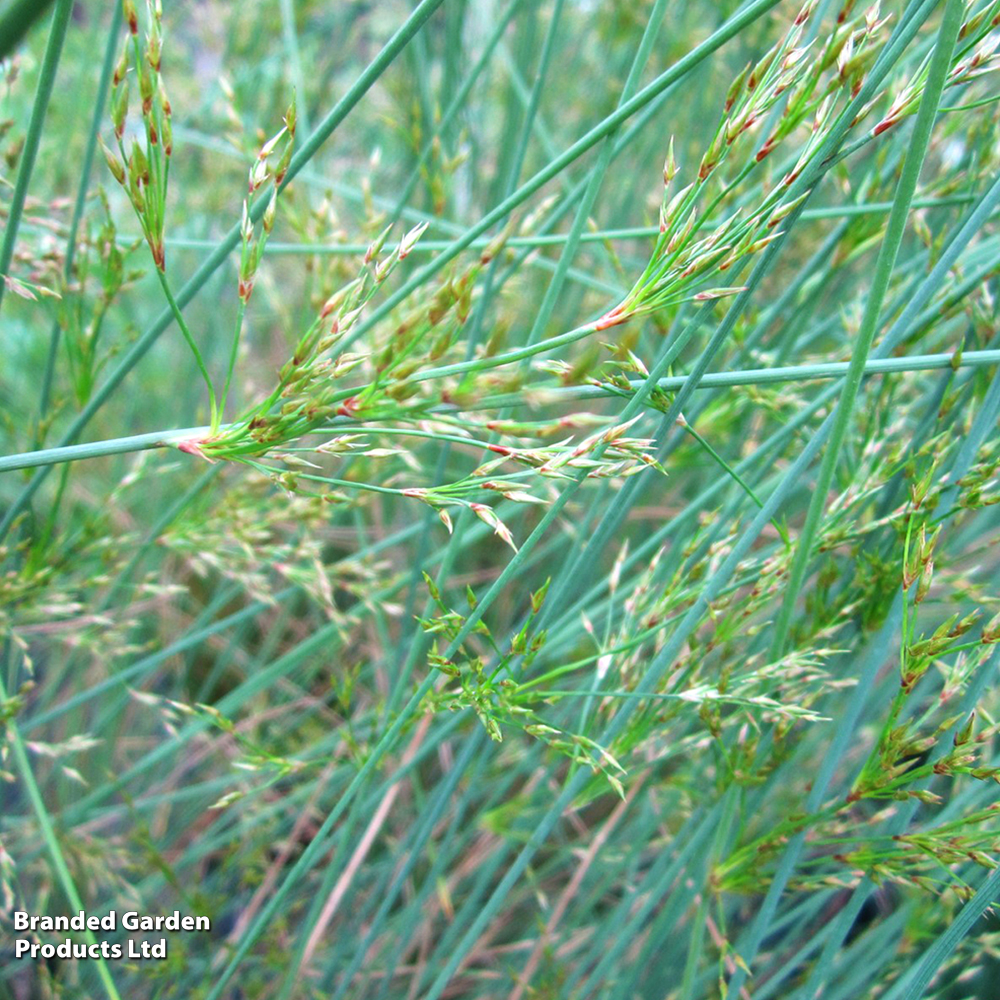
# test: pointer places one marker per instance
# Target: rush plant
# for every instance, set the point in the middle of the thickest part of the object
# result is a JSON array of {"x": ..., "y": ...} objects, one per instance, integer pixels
[{"x": 503, "y": 504}]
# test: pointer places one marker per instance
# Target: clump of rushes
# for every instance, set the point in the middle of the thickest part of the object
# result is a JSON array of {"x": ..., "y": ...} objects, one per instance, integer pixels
[{"x": 810, "y": 85}]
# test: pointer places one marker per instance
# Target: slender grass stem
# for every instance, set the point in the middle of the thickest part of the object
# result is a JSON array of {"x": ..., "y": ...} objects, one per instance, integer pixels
[
  {"x": 669, "y": 383},
  {"x": 100, "y": 105},
  {"x": 51, "y": 839},
  {"x": 189, "y": 337},
  {"x": 33, "y": 137},
  {"x": 233, "y": 352},
  {"x": 730, "y": 471},
  {"x": 17, "y": 20},
  {"x": 425, "y": 246},
  {"x": 291, "y": 39}
]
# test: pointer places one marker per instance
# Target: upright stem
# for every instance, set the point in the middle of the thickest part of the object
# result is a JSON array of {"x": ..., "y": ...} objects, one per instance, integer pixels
[
  {"x": 65, "y": 877},
  {"x": 16, "y": 22},
  {"x": 194, "y": 348},
  {"x": 81, "y": 196},
  {"x": 234, "y": 350}
]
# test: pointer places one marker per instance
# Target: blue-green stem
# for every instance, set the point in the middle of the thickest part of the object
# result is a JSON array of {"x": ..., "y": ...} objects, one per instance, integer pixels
[
  {"x": 669, "y": 383},
  {"x": 179, "y": 317},
  {"x": 233, "y": 351}
]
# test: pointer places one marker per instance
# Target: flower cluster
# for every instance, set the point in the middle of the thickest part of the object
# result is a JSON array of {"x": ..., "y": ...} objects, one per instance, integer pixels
[
  {"x": 807, "y": 83},
  {"x": 605, "y": 454},
  {"x": 143, "y": 170},
  {"x": 483, "y": 683},
  {"x": 308, "y": 391},
  {"x": 278, "y": 148},
  {"x": 975, "y": 58}
]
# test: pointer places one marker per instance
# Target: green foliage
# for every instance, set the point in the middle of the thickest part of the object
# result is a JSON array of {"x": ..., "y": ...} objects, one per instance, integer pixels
[{"x": 566, "y": 575}]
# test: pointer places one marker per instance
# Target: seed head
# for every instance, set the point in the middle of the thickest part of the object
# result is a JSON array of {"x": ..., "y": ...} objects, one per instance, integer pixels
[
  {"x": 258, "y": 175},
  {"x": 145, "y": 87},
  {"x": 164, "y": 100},
  {"x": 991, "y": 632},
  {"x": 804, "y": 14},
  {"x": 168, "y": 136},
  {"x": 760, "y": 70},
  {"x": 494, "y": 246},
  {"x": 924, "y": 586},
  {"x": 487, "y": 515},
  {"x": 115, "y": 165},
  {"x": 121, "y": 67},
  {"x": 131, "y": 16},
  {"x": 669, "y": 165},
  {"x": 246, "y": 225},
  {"x": 384, "y": 267},
  {"x": 786, "y": 210},
  {"x": 138, "y": 164},
  {"x": 375, "y": 247},
  {"x": 154, "y": 46},
  {"x": 409, "y": 241},
  {"x": 845, "y": 11},
  {"x": 270, "y": 211},
  {"x": 282, "y": 168},
  {"x": 718, "y": 293},
  {"x": 119, "y": 108},
  {"x": 680, "y": 237},
  {"x": 735, "y": 88}
]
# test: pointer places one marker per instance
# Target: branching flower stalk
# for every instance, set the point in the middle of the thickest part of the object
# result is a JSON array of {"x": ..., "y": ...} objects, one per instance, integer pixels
[
  {"x": 974, "y": 58},
  {"x": 808, "y": 84},
  {"x": 306, "y": 394},
  {"x": 809, "y": 87},
  {"x": 144, "y": 170}
]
